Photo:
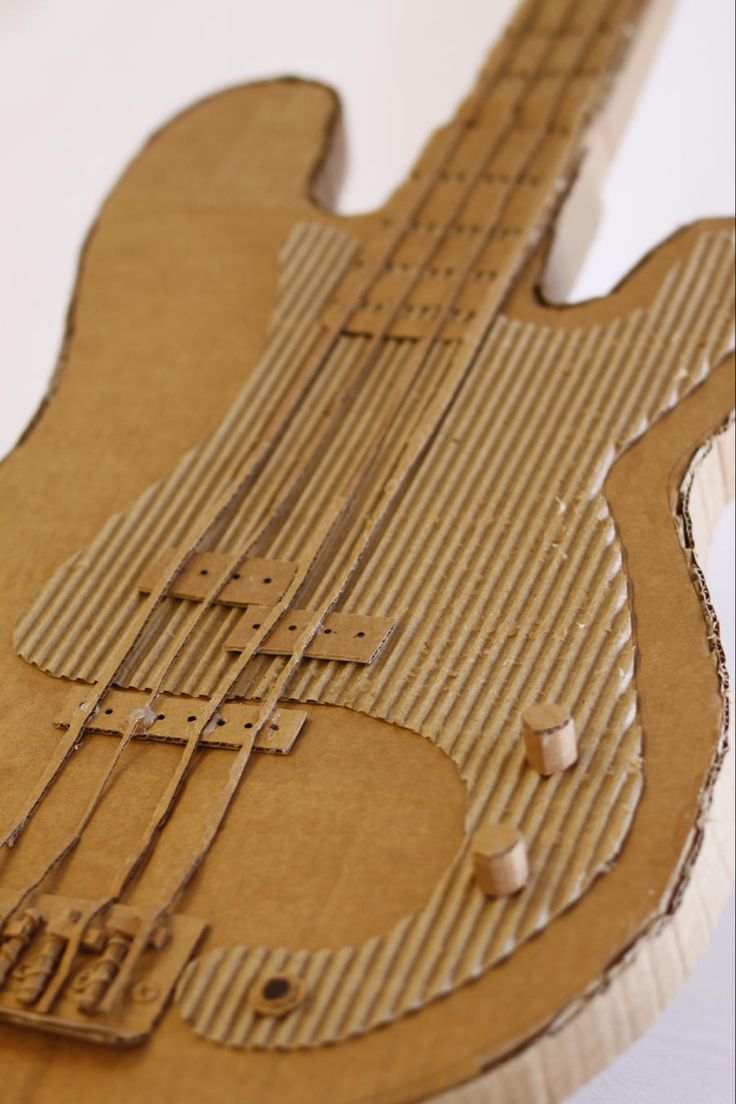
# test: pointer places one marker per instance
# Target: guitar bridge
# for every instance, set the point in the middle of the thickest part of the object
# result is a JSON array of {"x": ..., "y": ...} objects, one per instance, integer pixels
[{"x": 70, "y": 967}]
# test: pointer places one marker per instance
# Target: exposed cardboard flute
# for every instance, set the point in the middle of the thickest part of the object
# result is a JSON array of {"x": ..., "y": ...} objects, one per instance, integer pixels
[{"x": 364, "y": 726}]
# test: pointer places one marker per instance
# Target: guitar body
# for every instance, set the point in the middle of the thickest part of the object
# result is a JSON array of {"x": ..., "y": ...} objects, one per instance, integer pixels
[{"x": 593, "y": 595}]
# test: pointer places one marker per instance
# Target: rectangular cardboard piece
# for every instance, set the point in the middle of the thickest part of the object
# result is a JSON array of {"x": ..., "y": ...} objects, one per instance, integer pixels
[
  {"x": 177, "y": 715},
  {"x": 256, "y": 581},
  {"x": 345, "y": 636}
]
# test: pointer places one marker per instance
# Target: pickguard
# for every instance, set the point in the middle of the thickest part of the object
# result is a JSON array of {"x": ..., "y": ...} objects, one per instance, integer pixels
[{"x": 503, "y": 570}]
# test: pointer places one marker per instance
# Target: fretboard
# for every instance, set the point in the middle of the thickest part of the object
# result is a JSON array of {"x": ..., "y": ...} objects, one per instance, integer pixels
[{"x": 487, "y": 184}]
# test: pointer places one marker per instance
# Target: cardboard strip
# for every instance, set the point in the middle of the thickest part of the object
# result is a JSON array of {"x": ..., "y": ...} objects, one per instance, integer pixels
[
  {"x": 258, "y": 581},
  {"x": 177, "y": 716},
  {"x": 344, "y": 636}
]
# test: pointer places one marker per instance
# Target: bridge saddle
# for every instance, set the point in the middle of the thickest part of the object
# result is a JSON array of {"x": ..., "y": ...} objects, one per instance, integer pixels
[{"x": 104, "y": 974}]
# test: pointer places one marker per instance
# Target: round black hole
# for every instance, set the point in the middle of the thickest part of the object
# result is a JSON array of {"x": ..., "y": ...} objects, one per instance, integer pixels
[
  {"x": 247, "y": 725},
  {"x": 328, "y": 630},
  {"x": 236, "y": 575},
  {"x": 274, "y": 728},
  {"x": 267, "y": 580},
  {"x": 191, "y": 718},
  {"x": 160, "y": 716},
  {"x": 256, "y": 626},
  {"x": 292, "y": 628},
  {"x": 360, "y": 634},
  {"x": 276, "y": 988},
  {"x": 221, "y": 721},
  {"x": 204, "y": 571},
  {"x": 108, "y": 712}
]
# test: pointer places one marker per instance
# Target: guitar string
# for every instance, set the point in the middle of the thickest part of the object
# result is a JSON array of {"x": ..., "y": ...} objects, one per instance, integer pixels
[
  {"x": 275, "y": 698},
  {"x": 422, "y": 351},
  {"x": 307, "y": 637},
  {"x": 423, "y": 348},
  {"x": 404, "y": 467},
  {"x": 316, "y": 626},
  {"x": 313, "y": 360},
  {"x": 411, "y": 453},
  {"x": 167, "y": 802},
  {"x": 457, "y": 131}
]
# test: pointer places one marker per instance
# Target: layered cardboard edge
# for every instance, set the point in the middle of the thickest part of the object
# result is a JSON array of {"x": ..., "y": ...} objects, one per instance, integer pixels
[{"x": 593, "y": 1031}]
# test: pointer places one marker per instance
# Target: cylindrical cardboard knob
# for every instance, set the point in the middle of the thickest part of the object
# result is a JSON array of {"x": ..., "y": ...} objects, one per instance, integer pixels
[
  {"x": 549, "y": 737},
  {"x": 500, "y": 860}
]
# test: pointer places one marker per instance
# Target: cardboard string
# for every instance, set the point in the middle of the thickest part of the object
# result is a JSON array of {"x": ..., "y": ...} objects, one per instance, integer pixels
[
  {"x": 411, "y": 453},
  {"x": 305, "y": 380},
  {"x": 314, "y": 360},
  {"x": 179, "y": 643}
]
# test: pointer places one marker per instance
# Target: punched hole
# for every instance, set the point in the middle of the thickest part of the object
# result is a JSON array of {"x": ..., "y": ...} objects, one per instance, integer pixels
[
  {"x": 274, "y": 728},
  {"x": 191, "y": 718},
  {"x": 221, "y": 721},
  {"x": 248, "y": 724},
  {"x": 160, "y": 716},
  {"x": 108, "y": 712},
  {"x": 328, "y": 630},
  {"x": 204, "y": 571},
  {"x": 277, "y": 995},
  {"x": 292, "y": 628},
  {"x": 236, "y": 575},
  {"x": 257, "y": 626},
  {"x": 267, "y": 581},
  {"x": 276, "y": 988},
  {"x": 360, "y": 634}
]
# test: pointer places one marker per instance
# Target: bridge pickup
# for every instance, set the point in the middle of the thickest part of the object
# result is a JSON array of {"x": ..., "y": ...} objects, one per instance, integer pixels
[
  {"x": 344, "y": 636},
  {"x": 177, "y": 717},
  {"x": 64, "y": 956},
  {"x": 257, "y": 581}
]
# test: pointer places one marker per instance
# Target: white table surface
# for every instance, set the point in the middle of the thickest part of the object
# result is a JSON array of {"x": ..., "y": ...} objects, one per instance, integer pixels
[{"x": 82, "y": 84}]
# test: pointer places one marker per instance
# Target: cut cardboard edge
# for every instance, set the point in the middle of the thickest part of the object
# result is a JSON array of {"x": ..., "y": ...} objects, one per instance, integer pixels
[
  {"x": 323, "y": 179},
  {"x": 638, "y": 986}
]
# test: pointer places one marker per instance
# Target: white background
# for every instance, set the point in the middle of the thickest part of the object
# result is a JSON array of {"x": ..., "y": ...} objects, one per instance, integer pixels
[{"x": 83, "y": 82}]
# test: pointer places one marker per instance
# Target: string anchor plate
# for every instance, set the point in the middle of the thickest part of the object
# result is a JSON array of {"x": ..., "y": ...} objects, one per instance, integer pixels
[{"x": 104, "y": 975}]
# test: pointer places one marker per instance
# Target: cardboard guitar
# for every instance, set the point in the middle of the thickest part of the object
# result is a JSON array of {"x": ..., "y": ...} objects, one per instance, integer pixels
[{"x": 364, "y": 717}]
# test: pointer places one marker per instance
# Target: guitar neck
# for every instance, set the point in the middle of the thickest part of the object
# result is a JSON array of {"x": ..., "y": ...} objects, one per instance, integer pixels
[{"x": 488, "y": 184}]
